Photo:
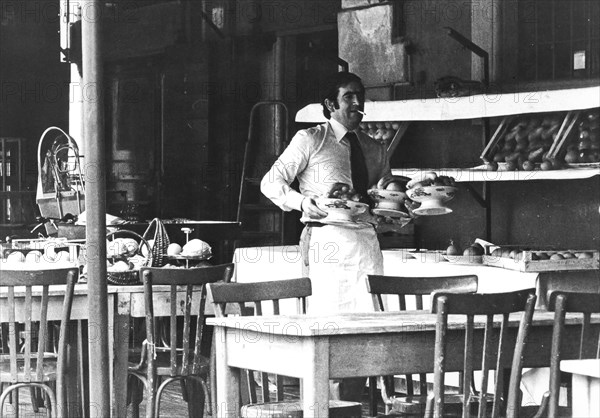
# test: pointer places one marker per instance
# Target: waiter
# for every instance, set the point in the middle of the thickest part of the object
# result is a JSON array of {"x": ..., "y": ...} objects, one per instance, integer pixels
[{"x": 337, "y": 257}]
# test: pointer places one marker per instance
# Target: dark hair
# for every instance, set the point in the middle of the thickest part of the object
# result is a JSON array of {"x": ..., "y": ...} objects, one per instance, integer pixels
[{"x": 331, "y": 87}]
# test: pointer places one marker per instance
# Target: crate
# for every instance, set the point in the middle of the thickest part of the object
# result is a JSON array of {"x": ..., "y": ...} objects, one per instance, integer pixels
[
  {"x": 579, "y": 146},
  {"x": 521, "y": 138},
  {"x": 529, "y": 261}
]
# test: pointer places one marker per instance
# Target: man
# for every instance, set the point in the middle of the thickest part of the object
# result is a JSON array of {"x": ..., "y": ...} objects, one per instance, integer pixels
[{"x": 337, "y": 257}]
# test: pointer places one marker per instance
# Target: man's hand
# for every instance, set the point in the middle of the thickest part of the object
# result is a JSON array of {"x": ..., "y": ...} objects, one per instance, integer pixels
[
  {"x": 386, "y": 224},
  {"x": 389, "y": 178},
  {"x": 310, "y": 208}
]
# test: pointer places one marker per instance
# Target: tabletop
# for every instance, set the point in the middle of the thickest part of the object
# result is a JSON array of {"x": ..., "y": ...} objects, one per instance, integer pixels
[{"x": 367, "y": 323}]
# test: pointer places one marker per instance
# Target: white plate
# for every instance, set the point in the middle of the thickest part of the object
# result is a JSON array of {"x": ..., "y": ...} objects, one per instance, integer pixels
[{"x": 392, "y": 213}]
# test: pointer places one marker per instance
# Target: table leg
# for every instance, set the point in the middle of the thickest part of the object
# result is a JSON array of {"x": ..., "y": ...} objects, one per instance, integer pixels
[
  {"x": 316, "y": 382},
  {"x": 119, "y": 342},
  {"x": 586, "y": 395},
  {"x": 227, "y": 379}
]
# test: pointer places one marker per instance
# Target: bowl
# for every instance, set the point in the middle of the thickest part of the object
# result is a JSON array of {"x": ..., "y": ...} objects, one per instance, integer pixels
[
  {"x": 339, "y": 210},
  {"x": 388, "y": 202},
  {"x": 432, "y": 199}
]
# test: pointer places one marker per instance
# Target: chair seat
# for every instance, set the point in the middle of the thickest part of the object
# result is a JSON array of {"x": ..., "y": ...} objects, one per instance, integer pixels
[{"x": 293, "y": 409}]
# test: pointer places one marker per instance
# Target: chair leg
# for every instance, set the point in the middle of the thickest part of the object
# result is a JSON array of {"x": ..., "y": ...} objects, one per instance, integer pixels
[
  {"x": 135, "y": 393},
  {"x": 373, "y": 395},
  {"x": 51, "y": 409}
]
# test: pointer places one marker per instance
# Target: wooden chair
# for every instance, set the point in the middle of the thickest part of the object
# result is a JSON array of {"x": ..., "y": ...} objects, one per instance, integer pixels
[
  {"x": 469, "y": 305},
  {"x": 180, "y": 358},
  {"x": 562, "y": 303},
  {"x": 403, "y": 287},
  {"x": 258, "y": 293},
  {"x": 30, "y": 363}
]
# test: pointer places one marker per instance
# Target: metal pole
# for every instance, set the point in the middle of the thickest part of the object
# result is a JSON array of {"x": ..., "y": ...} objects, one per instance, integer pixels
[{"x": 95, "y": 199}]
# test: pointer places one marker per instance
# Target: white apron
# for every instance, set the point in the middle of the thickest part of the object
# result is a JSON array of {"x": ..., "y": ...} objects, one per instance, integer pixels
[{"x": 339, "y": 260}]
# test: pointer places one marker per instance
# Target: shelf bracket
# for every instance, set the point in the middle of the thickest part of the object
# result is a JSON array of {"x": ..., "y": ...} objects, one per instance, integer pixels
[{"x": 477, "y": 196}]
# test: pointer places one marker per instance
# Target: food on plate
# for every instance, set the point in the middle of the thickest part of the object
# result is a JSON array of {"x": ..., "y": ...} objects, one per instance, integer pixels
[
  {"x": 119, "y": 266},
  {"x": 342, "y": 191},
  {"x": 121, "y": 247},
  {"x": 395, "y": 187},
  {"x": 431, "y": 179},
  {"x": 174, "y": 249},
  {"x": 196, "y": 247},
  {"x": 33, "y": 257},
  {"x": 15, "y": 257}
]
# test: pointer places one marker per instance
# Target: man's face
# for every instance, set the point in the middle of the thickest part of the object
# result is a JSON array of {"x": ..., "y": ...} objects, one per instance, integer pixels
[{"x": 350, "y": 99}]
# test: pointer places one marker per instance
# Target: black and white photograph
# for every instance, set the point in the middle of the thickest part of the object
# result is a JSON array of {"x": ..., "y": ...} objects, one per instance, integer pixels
[{"x": 299, "y": 208}]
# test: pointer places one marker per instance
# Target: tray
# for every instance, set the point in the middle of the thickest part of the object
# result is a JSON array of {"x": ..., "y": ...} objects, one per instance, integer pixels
[{"x": 527, "y": 263}]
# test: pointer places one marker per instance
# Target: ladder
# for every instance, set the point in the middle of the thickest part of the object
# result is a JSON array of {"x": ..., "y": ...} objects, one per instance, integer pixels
[{"x": 262, "y": 222}]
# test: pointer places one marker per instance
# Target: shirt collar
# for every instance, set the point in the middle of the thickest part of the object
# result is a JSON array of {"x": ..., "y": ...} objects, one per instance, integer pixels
[{"x": 338, "y": 129}]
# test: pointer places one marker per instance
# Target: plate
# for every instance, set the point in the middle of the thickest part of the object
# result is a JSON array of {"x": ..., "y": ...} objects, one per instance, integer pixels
[
  {"x": 464, "y": 259},
  {"x": 392, "y": 213}
]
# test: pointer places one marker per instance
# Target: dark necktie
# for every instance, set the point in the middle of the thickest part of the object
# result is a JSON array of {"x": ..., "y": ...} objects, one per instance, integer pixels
[{"x": 360, "y": 176}]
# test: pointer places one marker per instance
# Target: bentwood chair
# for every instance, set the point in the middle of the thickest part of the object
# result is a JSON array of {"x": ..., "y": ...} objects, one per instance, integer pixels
[
  {"x": 241, "y": 294},
  {"x": 450, "y": 353},
  {"x": 31, "y": 360},
  {"x": 401, "y": 288},
  {"x": 562, "y": 303},
  {"x": 179, "y": 358}
]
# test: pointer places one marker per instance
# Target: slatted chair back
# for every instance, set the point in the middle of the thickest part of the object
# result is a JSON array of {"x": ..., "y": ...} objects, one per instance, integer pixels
[
  {"x": 180, "y": 281},
  {"x": 470, "y": 305},
  {"x": 183, "y": 345},
  {"x": 258, "y": 294},
  {"x": 416, "y": 287},
  {"x": 29, "y": 362},
  {"x": 562, "y": 303}
]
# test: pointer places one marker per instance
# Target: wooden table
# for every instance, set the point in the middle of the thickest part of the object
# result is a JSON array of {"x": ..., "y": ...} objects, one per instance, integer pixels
[
  {"x": 317, "y": 349},
  {"x": 124, "y": 302},
  {"x": 586, "y": 386}
]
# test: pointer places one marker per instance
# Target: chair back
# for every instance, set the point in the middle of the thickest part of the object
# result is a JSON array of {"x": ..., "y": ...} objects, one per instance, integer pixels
[
  {"x": 257, "y": 294},
  {"x": 183, "y": 345},
  {"x": 562, "y": 303},
  {"x": 417, "y": 287},
  {"x": 469, "y": 305},
  {"x": 26, "y": 309}
]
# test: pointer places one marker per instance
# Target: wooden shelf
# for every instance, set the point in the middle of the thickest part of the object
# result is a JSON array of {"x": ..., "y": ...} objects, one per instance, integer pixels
[
  {"x": 478, "y": 174},
  {"x": 469, "y": 107}
]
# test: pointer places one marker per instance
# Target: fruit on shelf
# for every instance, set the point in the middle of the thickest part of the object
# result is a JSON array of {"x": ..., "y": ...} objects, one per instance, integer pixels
[
  {"x": 582, "y": 145},
  {"x": 380, "y": 131},
  {"x": 531, "y": 142}
]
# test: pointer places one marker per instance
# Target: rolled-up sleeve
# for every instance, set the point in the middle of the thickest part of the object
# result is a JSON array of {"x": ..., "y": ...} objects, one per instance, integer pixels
[{"x": 276, "y": 183}]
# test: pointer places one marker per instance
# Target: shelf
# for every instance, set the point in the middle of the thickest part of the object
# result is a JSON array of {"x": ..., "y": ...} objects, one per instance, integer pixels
[
  {"x": 478, "y": 174},
  {"x": 468, "y": 107}
]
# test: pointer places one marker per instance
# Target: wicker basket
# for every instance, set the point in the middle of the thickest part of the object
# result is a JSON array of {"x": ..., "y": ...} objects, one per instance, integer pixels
[
  {"x": 158, "y": 252},
  {"x": 130, "y": 277}
]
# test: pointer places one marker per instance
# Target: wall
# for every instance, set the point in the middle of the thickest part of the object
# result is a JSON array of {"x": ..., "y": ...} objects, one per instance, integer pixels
[
  {"x": 560, "y": 214},
  {"x": 34, "y": 83}
]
